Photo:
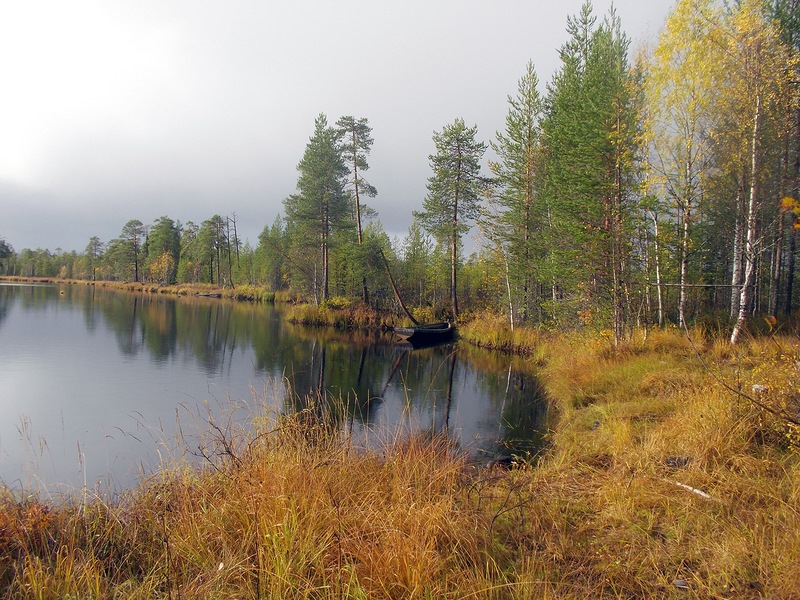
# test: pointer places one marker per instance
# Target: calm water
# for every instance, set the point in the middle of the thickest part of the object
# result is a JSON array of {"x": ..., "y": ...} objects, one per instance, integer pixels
[{"x": 99, "y": 387}]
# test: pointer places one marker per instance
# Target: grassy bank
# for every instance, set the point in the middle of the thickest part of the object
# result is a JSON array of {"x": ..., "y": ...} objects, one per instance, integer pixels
[
  {"x": 246, "y": 292},
  {"x": 492, "y": 331},
  {"x": 339, "y": 313},
  {"x": 668, "y": 475}
]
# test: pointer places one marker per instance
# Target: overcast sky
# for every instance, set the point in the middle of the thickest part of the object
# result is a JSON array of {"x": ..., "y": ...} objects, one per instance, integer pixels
[{"x": 134, "y": 109}]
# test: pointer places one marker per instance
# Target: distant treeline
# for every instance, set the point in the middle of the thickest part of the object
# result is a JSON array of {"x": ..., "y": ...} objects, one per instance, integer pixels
[{"x": 637, "y": 187}]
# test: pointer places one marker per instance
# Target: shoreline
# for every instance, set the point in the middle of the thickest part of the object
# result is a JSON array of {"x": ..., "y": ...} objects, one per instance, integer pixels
[{"x": 656, "y": 478}]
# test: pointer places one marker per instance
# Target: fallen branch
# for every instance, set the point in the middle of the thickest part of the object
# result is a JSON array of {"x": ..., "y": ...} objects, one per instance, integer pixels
[{"x": 689, "y": 488}]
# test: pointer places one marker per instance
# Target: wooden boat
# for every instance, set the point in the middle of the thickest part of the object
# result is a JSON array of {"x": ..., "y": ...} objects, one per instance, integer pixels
[
  {"x": 418, "y": 335},
  {"x": 426, "y": 335}
]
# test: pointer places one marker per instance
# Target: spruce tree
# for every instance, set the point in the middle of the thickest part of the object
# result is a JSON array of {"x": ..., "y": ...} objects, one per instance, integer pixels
[
  {"x": 521, "y": 219},
  {"x": 589, "y": 140}
]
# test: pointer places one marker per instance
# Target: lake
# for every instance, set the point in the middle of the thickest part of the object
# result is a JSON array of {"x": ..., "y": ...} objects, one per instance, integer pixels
[{"x": 100, "y": 387}]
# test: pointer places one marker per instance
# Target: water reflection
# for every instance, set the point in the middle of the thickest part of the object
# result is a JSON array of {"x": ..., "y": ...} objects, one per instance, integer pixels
[{"x": 104, "y": 358}]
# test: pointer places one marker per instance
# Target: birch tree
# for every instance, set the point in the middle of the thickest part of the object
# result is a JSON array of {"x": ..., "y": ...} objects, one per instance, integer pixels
[
  {"x": 759, "y": 66},
  {"x": 681, "y": 87}
]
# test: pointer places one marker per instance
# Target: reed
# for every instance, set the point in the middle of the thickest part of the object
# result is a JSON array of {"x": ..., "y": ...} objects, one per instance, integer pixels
[{"x": 243, "y": 292}]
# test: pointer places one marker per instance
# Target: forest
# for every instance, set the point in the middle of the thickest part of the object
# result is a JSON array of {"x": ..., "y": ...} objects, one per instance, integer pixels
[{"x": 638, "y": 186}]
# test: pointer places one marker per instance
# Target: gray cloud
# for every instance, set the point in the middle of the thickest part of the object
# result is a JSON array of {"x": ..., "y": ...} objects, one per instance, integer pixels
[{"x": 194, "y": 108}]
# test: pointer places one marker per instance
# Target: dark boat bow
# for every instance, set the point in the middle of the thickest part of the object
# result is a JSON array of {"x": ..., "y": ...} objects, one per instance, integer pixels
[{"x": 426, "y": 335}]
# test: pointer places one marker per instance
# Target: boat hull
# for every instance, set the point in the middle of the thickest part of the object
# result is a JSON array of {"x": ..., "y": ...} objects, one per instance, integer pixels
[{"x": 426, "y": 335}]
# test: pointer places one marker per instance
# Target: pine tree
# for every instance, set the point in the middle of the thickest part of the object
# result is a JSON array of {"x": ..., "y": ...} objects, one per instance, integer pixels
[
  {"x": 130, "y": 246},
  {"x": 454, "y": 192},
  {"x": 212, "y": 248},
  {"x": 356, "y": 135},
  {"x": 320, "y": 206},
  {"x": 93, "y": 252}
]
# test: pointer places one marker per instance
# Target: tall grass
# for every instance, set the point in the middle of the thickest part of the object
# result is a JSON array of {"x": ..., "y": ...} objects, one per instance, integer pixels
[
  {"x": 292, "y": 513},
  {"x": 489, "y": 330},
  {"x": 648, "y": 429},
  {"x": 339, "y": 313},
  {"x": 667, "y": 476}
]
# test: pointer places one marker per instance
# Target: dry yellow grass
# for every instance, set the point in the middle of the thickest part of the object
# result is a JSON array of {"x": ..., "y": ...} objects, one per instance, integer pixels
[
  {"x": 660, "y": 481},
  {"x": 338, "y": 313}
]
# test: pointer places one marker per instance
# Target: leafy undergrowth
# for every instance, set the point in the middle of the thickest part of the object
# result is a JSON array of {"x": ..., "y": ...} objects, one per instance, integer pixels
[{"x": 673, "y": 473}]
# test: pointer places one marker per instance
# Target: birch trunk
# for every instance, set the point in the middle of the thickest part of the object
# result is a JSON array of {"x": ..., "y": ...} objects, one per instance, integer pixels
[
  {"x": 687, "y": 215},
  {"x": 751, "y": 241},
  {"x": 738, "y": 255},
  {"x": 659, "y": 284}
]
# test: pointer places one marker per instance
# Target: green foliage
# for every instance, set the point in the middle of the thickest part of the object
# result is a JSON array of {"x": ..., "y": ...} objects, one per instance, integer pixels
[
  {"x": 517, "y": 227},
  {"x": 270, "y": 256},
  {"x": 628, "y": 192},
  {"x": 163, "y": 249},
  {"x": 125, "y": 252},
  {"x": 320, "y": 207},
  {"x": 454, "y": 192},
  {"x": 6, "y": 253},
  {"x": 411, "y": 272},
  {"x": 588, "y": 176},
  {"x": 214, "y": 249},
  {"x": 92, "y": 258}
]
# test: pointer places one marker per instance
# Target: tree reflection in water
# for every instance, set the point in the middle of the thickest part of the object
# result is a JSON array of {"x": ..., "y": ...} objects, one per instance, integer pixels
[
  {"x": 359, "y": 382},
  {"x": 160, "y": 354}
]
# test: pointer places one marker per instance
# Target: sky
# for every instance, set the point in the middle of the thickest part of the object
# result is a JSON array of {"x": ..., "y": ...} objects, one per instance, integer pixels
[{"x": 134, "y": 109}]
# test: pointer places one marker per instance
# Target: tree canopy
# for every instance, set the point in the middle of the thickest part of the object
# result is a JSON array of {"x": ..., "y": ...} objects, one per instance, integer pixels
[{"x": 635, "y": 187}]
